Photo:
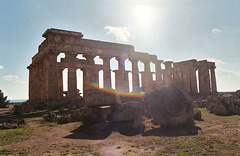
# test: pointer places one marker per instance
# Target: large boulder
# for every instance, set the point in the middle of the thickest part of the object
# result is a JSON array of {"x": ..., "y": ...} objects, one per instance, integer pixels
[
  {"x": 171, "y": 106},
  {"x": 219, "y": 108}
]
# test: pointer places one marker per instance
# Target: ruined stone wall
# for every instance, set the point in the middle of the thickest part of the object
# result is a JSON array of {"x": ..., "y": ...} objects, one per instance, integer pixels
[{"x": 45, "y": 73}]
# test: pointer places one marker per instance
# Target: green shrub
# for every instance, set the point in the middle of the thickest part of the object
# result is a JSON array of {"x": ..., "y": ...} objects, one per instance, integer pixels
[{"x": 3, "y": 100}]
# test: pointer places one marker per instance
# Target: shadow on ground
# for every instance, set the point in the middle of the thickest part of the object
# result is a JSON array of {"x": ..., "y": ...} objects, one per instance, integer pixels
[
  {"x": 102, "y": 131},
  {"x": 177, "y": 131},
  {"x": 5, "y": 118}
]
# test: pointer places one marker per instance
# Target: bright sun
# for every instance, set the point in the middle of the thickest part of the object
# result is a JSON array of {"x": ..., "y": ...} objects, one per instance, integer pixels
[{"x": 144, "y": 14}]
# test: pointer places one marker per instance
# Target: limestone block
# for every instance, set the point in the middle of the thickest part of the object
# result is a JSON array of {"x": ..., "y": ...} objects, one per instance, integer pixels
[
  {"x": 95, "y": 97},
  {"x": 127, "y": 111},
  {"x": 96, "y": 114}
]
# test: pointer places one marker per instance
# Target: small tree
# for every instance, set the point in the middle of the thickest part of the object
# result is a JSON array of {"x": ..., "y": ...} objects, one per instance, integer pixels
[{"x": 3, "y": 100}]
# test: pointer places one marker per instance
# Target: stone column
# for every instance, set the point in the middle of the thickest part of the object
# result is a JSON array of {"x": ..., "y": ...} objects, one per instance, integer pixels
[
  {"x": 135, "y": 75},
  {"x": 185, "y": 77},
  {"x": 96, "y": 75},
  {"x": 158, "y": 73},
  {"x": 40, "y": 75},
  {"x": 45, "y": 77},
  {"x": 106, "y": 72},
  {"x": 213, "y": 78},
  {"x": 34, "y": 82},
  {"x": 204, "y": 79},
  {"x": 193, "y": 79},
  {"x": 88, "y": 72},
  {"x": 60, "y": 83},
  {"x": 72, "y": 77},
  {"x": 52, "y": 76},
  {"x": 168, "y": 72},
  {"x": 146, "y": 76},
  {"x": 30, "y": 84},
  {"x": 177, "y": 72},
  {"x": 120, "y": 75}
]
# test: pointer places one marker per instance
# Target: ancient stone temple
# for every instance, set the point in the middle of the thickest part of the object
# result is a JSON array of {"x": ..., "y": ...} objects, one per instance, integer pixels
[{"x": 46, "y": 73}]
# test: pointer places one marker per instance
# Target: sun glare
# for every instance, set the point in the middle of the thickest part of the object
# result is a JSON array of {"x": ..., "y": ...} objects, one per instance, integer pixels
[{"x": 144, "y": 14}]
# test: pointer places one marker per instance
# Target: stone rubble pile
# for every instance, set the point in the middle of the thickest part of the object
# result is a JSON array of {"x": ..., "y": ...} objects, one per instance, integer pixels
[
  {"x": 219, "y": 104},
  {"x": 226, "y": 104},
  {"x": 103, "y": 107},
  {"x": 13, "y": 123}
]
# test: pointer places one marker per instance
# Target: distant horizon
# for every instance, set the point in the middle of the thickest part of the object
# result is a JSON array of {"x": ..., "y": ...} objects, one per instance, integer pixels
[
  {"x": 17, "y": 100},
  {"x": 23, "y": 100}
]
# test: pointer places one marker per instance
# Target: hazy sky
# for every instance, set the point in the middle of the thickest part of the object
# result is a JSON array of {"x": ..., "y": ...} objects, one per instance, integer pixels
[{"x": 174, "y": 30}]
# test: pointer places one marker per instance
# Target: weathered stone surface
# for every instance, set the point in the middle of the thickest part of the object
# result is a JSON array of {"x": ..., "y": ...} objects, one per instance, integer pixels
[
  {"x": 237, "y": 94},
  {"x": 95, "y": 114},
  {"x": 18, "y": 109},
  {"x": 63, "y": 119},
  {"x": 171, "y": 106},
  {"x": 127, "y": 111},
  {"x": 50, "y": 117},
  {"x": 224, "y": 104},
  {"x": 76, "y": 115},
  {"x": 219, "y": 109},
  {"x": 95, "y": 97},
  {"x": 12, "y": 124},
  {"x": 27, "y": 107},
  {"x": 197, "y": 115}
]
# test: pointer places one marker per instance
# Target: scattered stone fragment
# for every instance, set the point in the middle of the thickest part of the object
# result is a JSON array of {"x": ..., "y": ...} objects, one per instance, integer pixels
[
  {"x": 50, "y": 117},
  {"x": 197, "y": 115},
  {"x": 65, "y": 119},
  {"x": 12, "y": 124}
]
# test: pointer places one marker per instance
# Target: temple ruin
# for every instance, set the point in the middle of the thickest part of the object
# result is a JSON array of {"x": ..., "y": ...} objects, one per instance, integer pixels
[{"x": 46, "y": 73}]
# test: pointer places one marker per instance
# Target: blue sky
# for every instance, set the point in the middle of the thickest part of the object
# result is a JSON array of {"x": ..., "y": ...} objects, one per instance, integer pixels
[{"x": 171, "y": 29}]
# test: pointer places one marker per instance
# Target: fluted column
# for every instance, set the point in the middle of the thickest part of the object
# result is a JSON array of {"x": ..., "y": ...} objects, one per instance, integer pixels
[
  {"x": 40, "y": 75},
  {"x": 146, "y": 76},
  {"x": 168, "y": 72},
  {"x": 135, "y": 75},
  {"x": 193, "y": 79},
  {"x": 120, "y": 75},
  {"x": 204, "y": 79},
  {"x": 88, "y": 72},
  {"x": 72, "y": 77},
  {"x": 45, "y": 77},
  {"x": 106, "y": 72},
  {"x": 186, "y": 77},
  {"x": 213, "y": 78},
  {"x": 158, "y": 73},
  {"x": 52, "y": 76},
  {"x": 96, "y": 75},
  {"x": 35, "y": 85},
  {"x": 177, "y": 72},
  {"x": 60, "y": 83},
  {"x": 30, "y": 84}
]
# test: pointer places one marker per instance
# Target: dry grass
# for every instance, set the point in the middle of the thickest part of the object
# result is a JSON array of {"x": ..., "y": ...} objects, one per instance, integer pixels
[{"x": 219, "y": 135}]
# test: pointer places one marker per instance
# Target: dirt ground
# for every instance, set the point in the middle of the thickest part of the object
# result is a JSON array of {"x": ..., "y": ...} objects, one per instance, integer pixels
[{"x": 215, "y": 135}]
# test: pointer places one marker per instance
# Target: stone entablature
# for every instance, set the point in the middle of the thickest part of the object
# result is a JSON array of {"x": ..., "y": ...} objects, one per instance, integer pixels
[{"x": 46, "y": 79}]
